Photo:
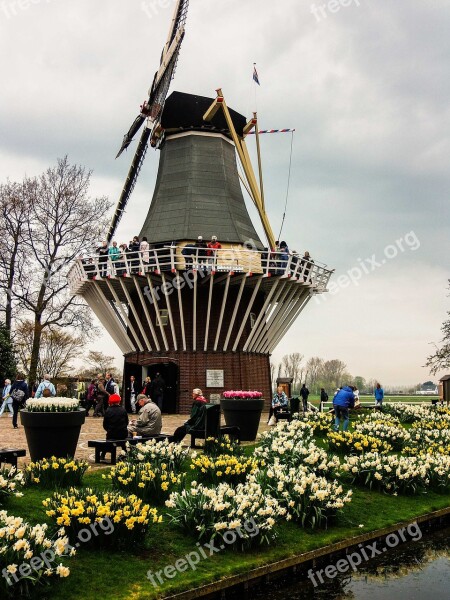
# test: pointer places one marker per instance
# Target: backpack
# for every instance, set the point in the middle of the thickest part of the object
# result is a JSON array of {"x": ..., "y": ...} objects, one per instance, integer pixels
[{"x": 18, "y": 395}]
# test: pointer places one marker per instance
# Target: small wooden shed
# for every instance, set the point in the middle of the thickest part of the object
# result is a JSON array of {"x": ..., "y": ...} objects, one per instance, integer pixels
[{"x": 444, "y": 389}]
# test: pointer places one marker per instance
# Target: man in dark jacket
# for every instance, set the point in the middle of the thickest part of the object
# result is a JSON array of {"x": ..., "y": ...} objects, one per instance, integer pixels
[
  {"x": 304, "y": 393},
  {"x": 19, "y": 393},
  {"x": 342, "y": 402},
  {"x": 157, "y": 387},
  {"x": 115, "y": 421}
]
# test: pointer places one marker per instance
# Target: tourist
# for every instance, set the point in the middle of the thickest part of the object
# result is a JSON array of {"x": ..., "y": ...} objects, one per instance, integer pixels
[
  {"x": 102, "y": 252},
  {"x": 304, "y": 393},
  {"x": 19, "y": 393},
  {"x": 91, "y": 396},
  {"x": 188, "y": 252},
  {"x": 379, "y": 396},
  {"x": 279, "y": 403},
  {"x": 115, "y": 421},
  {"x": 149, "y": 421},
  {"x": 46, "y": 384},
  {"x": 146, "y": 387},
  {"x": 196, "y": 419},
  {"x": 306, "y": 264},
  {"x": 111, "y": 386},
  {"x": 114, "y": 252},
  {"x": 201, "y": 249},
  {"x": 213, "y": 247},
  {"x": 6, "y": 398},
  {"x": 156, "y": 389},
  {"x": 323, "y": 398},
  {"x": 144, "y": 249},
  {"x": 121, "y": 265},
  {"x": 134, "y": 249},
  {"x": 102, "y": 399},
  {"x": 342, "y": 402},
  {"x": 130, "y": 395}
]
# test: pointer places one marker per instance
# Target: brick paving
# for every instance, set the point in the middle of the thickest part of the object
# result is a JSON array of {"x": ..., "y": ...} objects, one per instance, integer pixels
[{"x": 91, "y": 430}]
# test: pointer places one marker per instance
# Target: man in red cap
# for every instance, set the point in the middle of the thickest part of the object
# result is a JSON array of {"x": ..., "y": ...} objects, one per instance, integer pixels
[{"x": 115, "y": 421}]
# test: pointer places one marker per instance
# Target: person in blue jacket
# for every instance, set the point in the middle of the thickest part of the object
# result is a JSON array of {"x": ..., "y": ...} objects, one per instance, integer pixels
[
  {"x": 379, "y": 395},
  {"x": 342, "y": 402}
]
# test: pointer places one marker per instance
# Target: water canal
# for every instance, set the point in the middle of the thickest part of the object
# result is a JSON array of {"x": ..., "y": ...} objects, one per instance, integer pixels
[{"x": 413, "y": 571}]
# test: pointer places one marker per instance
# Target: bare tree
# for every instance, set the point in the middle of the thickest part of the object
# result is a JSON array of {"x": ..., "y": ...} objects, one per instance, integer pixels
[
  {"x": 332, "y": 373},
  {"x": 63, "y": 222},
  {"x": 58, "y": 348},
  {"x": 13, "y": 215},
  {"x": 99, "y": 363},
  {"x": 440, "y": 360},
  {"x": 314, "y": 367},
  {"x": 291, "y": 366}
]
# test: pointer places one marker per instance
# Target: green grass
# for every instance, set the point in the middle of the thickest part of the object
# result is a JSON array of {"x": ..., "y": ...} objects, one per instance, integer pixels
[{"x": 122, "y": 575}]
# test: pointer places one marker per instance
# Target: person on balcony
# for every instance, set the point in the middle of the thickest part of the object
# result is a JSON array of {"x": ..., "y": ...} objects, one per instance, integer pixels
[
  {"x": 201, "y": 249},
  {"x": 280, "y": 403},
  {"x": 196, "y": 419},
  {"x": 149, "y": 421},
  {"x": 102, "y": 252},
  {"x": 306, "y": 264},
  {"x": 213, "y": 247},
  {"x": 133, "y": 250},
  {"x": 144, "y": 248}
]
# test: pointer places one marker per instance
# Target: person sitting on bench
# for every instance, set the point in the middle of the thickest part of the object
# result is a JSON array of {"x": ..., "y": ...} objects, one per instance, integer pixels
[
  {"x": 149, "y": 421},
  {"x": 279, "y": 404},
  {"x": 115, "y": 421},
  {"x": 197, "y": 418}
]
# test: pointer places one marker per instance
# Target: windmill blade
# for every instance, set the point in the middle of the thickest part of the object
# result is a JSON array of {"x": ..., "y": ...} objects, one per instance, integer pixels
[
  {"x": 128, "y": 137},
  {"x": 130, "y": 181}
]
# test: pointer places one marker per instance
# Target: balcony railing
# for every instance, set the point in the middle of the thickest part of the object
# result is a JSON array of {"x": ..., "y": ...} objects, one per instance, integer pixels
[{"x": 228, "y": 260}]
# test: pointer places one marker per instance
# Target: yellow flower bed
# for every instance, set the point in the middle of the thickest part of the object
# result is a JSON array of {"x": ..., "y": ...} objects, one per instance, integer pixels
[
  {"x": 223, "y": 468},
  {"x": 55, "y": 472},
  {"x": 147, "y": 481},
  {"x": 356, "y": 442},
  {"x": 122, "y": 519}
]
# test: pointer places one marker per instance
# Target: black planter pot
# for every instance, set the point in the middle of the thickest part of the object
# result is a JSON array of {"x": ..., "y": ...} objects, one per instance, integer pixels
[
  {"x": 52, "y": 434},
  {"x": 243, "y": 413}
]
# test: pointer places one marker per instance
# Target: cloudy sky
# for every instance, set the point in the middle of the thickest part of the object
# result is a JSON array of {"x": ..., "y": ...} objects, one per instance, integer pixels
[{"x": 365, "y": 84}]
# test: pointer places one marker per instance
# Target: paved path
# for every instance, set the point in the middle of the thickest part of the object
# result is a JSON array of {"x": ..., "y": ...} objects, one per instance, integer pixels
[{"x": 91, "y": 430}]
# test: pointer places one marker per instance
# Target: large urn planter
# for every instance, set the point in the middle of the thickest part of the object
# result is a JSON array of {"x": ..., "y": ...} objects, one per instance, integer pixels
[
  {"x": 52, "y": 433},
  {"x": 244, "y": 413}
]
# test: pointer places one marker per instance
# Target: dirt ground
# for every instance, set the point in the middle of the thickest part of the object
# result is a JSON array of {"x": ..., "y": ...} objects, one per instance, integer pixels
[{"x": 91, "y": 430}]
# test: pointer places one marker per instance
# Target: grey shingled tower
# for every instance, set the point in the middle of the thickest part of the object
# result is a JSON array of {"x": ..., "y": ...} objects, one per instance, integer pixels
[{"x": 197, "y": 190}]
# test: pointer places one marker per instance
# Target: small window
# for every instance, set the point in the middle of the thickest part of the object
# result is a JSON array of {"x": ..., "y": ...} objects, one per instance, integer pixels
[
  {"x": 252, "y": 320},
  {"x": 164, "y": 317}
]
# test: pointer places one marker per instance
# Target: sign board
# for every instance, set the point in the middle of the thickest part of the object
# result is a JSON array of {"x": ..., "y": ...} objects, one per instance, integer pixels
[
  {"x": 214, "y": 398},
  {"x": 214, "y": 378}
]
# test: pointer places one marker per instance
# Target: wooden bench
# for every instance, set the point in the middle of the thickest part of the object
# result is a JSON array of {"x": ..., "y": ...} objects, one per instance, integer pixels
[
  {"x": 10, "y": 455},
  {"x": 212, "y": 428},
  {"x": 103, "y": 447}
]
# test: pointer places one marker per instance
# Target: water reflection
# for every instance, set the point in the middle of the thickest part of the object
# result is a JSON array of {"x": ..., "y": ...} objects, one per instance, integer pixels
[{"x": 413, "y": 571}]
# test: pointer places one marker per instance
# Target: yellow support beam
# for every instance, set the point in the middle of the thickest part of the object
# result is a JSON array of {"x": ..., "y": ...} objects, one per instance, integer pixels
[{"x": 241, "y": 149}]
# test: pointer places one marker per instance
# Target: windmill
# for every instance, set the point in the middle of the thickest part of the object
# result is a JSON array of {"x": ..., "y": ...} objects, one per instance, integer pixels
[
  {"x": 202, "y": 317},
  {"x": 151, "y": 109}
]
